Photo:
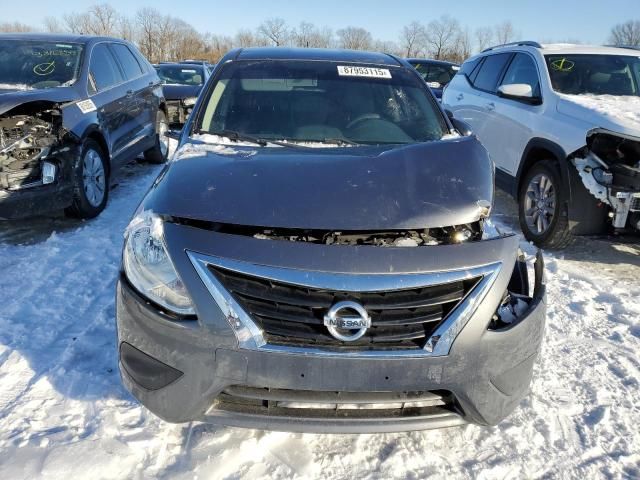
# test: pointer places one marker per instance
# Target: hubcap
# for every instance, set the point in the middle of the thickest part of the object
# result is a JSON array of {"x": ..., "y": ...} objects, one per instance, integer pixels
[
  {"x": 539, "y": 204},
  {"x": 163, "y": 128},
  {"x": 93, "y": 179}
]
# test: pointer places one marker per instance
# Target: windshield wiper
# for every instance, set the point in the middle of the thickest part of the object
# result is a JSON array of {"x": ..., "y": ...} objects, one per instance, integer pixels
[
  {"x": 242, "y": 137},
  {"x": 340, "y": 141},
  {"x": 238, "y": 137}
]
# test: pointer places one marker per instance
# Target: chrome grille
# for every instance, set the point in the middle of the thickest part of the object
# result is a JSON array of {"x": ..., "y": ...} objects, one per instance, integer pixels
[{"x": 293, "y": 315}]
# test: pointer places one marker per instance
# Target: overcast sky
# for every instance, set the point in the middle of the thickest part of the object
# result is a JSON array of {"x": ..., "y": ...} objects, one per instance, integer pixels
[{"x": 587, "y": 20}]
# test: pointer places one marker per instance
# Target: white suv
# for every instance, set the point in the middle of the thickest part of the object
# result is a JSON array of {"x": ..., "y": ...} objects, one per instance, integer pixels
[{"x": 562, "y": 124}]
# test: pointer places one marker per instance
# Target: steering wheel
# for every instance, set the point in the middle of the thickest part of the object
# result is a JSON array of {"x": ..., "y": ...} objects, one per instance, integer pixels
[{"x": 362, "y": 118}]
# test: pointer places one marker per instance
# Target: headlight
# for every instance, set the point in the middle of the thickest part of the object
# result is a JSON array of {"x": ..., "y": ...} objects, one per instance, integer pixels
[
  {"x": 189, "y": 102},
  {"x": 149, "y": 268}
]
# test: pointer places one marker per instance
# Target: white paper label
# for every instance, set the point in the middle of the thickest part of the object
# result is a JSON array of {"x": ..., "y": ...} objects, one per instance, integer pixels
[
  {"x": 350, "y": 71},
  {"x": 86, "y": 106}
]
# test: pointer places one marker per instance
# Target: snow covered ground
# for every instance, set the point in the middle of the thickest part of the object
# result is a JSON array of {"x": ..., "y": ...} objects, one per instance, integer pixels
[{"x": 64, "y": 413}]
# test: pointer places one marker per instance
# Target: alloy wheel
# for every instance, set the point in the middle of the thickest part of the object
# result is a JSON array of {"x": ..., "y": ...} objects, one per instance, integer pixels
[
  {"x": 93, "y": 178},
  {"x": 540, "y": 204}
]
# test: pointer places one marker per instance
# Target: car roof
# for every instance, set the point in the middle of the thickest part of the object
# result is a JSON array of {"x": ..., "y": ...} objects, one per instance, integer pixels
[
  {"x": 181, "y": 64},
  {"x": 586, "y": 49},
  {"x": 323, "y": 54},
  {"x": 431, "y": 61},
  {"x": 57, "y": 37},
  {"x": 559, "y": 48}
]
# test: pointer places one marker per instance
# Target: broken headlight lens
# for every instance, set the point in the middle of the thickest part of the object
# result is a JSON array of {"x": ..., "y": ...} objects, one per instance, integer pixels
[{"x": 149, "y": 268}]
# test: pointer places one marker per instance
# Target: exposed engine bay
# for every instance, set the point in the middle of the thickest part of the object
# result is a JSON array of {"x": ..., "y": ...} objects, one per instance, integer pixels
[
  {"x": 609, "y": 167},
  {"x": 27, "y": 139},
  {"x": 392, "y": 238}
]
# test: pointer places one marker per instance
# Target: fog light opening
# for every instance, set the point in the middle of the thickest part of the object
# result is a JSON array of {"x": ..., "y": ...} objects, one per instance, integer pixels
[{"x": 48, "y": 173}]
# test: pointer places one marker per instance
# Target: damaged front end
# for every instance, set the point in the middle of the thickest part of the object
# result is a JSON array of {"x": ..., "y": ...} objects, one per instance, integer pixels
[
  {"x": 35, "y": 160},
  {"x": 609, "y": 167}
]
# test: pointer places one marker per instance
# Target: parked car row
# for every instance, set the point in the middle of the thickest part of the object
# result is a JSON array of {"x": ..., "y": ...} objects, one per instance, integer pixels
[{"x": 320, "y": 255}]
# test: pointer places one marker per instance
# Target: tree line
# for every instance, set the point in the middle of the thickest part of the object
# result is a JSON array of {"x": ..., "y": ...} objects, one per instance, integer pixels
[{"x": 166, "y": 37}]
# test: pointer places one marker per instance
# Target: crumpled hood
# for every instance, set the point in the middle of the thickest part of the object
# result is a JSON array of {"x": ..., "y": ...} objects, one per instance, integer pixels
[
  {"x": 418, "y": 186},
  {"x": 179, "y": 92},
  {"x": 615, "y": 113},
  {"x": 11, "y": 98}
]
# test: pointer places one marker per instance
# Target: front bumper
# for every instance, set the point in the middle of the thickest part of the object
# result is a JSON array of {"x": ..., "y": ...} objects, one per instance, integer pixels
[
  {"x": 487, "y": 372},
  {"x": 38, "y": 199},
  {"x": 177, "y": 112}
]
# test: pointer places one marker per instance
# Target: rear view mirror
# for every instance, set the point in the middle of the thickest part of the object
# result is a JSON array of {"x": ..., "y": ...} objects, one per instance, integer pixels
[
  {"x": 519, "y": 91},
  {"x": 461, "y": 126}
]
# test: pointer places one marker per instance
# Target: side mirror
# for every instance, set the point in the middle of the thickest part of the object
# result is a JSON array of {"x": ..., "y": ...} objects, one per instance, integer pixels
[
  {"x": 519, "y": 91},
  {"x": 173, "y": 134},
  {"x": 461, "y": 126}
]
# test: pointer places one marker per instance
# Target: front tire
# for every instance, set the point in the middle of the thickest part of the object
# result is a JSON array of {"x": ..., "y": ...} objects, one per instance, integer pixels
[
  {"x": 91, "y": 182},
  {"x": 542, "y": 207},
  {"x": 160, "y": 151}
]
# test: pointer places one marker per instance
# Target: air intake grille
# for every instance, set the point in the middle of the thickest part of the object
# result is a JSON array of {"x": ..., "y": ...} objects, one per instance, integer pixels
[{"x": 293, "y": 315}]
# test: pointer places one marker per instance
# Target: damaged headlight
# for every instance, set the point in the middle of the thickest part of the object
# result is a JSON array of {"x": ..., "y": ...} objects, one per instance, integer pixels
[{"x": 149, "y": 268}]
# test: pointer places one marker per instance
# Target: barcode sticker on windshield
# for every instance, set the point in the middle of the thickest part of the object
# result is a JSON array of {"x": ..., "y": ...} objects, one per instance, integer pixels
[{"x": 345, "y": 71}]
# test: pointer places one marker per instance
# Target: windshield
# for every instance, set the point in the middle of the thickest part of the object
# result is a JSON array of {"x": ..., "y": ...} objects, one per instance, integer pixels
[
  {"x": 594, "y": 74},
  {"x": 28, "y": 65},
  {"x": 180, "y": 75},
  {"x": 326, "y": 102},
  {"x": 436, "y": 74}
]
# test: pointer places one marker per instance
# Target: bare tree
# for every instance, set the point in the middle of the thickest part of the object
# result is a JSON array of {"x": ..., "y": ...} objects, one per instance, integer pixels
[
  {"x": 218, "y": 45},
  {"x": 413, "y": 38},
  {"x": 388, "y": 47},
  {"x": 244, "y": 38},
  {"x": 484, "y": 37},
  {"x": 53, "y": 25},
  {"x": 441, "y": 36},
  {"x": 309, "y": 36},
  {"x": 355, "y": 38},
  {"x": 147, "y": 21},
  {"x": 15, "y": 27},
  {"x": 626, "y": 34},
  {"x": 275, "y": 30},
  {"x": 504, "y": 33},
  {"x": 463, "y": 47},
  {"x": 126, "y": 29}
]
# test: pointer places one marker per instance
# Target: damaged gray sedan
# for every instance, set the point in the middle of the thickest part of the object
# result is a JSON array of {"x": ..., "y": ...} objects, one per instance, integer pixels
[
  {"x": 319, "y": 257},
  {"x": 72, "y": 110}
]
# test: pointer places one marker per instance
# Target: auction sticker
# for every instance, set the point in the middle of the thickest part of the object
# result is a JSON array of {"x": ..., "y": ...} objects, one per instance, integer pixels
[
  {"x": 346, "y": 71},
  {"x": 86, "y": 106}
]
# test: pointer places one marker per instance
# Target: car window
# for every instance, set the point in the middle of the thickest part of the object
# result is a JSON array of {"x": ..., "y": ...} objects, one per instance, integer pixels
[
  {"x": 434, "y": 73},
  {"x": 103, "y": 68},
  {"x": 490, "y": 71},
  {"x": 468, "y": 67},
  {"x": 305, "y": 101},
  {"x": 180, "y": 74},
  {"x": 128, "y": 62},
  {"x": 594, "y": 74},
  {"x": 523, "y": 70}
]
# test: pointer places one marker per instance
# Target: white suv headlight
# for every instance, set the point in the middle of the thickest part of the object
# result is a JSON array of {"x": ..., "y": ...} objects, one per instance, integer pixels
[
  {"x": 189, "y": 101},
  {"x": 149, "y": 268}
]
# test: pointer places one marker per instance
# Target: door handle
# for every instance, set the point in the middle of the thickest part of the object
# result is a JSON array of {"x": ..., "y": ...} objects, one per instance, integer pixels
[
  {"x": 491, "y": 106},
  {"x": 460, "y": 96}
]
